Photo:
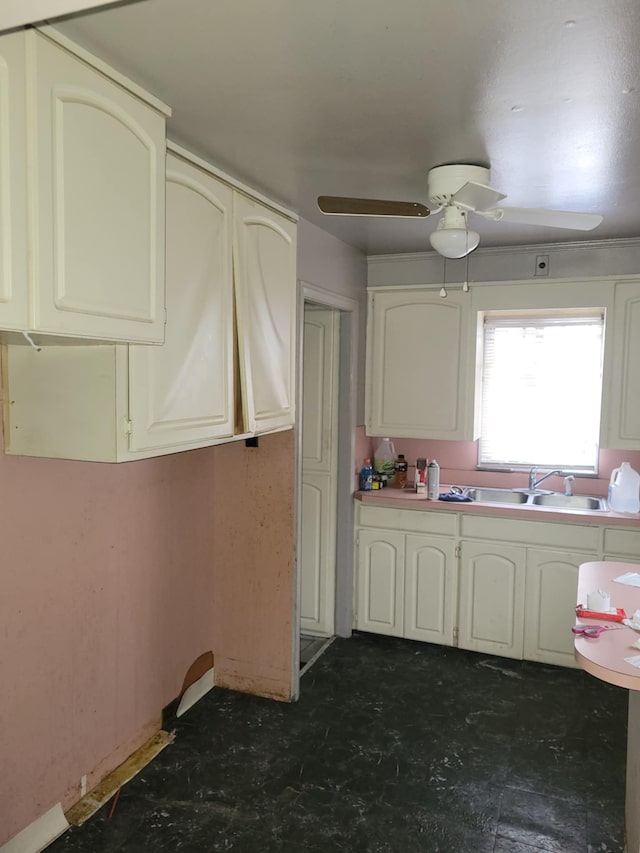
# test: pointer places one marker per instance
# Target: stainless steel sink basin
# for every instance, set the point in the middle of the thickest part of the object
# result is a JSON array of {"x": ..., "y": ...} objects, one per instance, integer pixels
[
  {"x": 526, "y": 498},
  {"x": 498, "y": 496},
  {"x": 570, "y": 502}
]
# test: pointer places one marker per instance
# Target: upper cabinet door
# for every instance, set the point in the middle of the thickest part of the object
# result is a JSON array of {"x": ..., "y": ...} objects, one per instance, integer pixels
[
  {"x": 182, "y": 393},
  {"x": 419, "y": 370},
  {"x": 98, "y": 227},
  {"x": 622, "y": 416},
  {"x": 265, "y": 281},
  {"x": 13, "y": 190}
]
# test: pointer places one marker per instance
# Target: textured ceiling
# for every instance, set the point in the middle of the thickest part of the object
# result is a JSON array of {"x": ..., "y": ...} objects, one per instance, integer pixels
[{"x": 361, "y": 97}]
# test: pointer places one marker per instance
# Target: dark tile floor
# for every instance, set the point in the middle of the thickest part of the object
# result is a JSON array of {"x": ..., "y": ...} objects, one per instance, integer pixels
[{"x": 394, "y": 747}]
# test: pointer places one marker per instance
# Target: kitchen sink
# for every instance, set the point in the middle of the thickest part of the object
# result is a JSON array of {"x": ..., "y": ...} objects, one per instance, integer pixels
[
  {"x": 570, "y": 501},
  {"x": 498, "y": 496},
  {"x": 542, "y": 498}
]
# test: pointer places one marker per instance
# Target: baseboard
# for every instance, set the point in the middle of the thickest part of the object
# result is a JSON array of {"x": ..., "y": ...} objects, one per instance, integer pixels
[
  {"x": 196, "y": 691},
  {"x": 39, "y": 834},
  {"x": 96, "y": 798}
]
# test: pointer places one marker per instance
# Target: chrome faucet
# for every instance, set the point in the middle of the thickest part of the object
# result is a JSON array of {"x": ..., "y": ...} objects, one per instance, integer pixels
[{"x": 533, "y": 473}]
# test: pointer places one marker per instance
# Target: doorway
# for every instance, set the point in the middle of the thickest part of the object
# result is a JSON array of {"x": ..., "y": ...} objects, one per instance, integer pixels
[
  {"x": 323, "y": 606},
  {"x": 319, "y": 494}
]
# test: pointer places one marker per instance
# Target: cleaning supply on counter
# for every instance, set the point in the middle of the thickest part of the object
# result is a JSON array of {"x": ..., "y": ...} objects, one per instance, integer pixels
[
  {"x": 366, "y": 476},
  {"x": 384, "y": 459},
  {"x": 433, "y": 481},
  {"x": 421, "y": 476},
  {"x": 400, "y": 476},
  {"x": 624, "y": 489}
]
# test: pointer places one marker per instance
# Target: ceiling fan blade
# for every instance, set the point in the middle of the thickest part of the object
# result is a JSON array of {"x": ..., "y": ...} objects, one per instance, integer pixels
[
  {"x": 474, "y": 196},
  {"x": 549, "y": 218},
  {"x": 369, "y": 207}
]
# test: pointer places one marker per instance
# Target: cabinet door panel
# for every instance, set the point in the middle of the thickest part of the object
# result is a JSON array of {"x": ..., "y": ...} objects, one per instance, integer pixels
[
  {"x": 13, "y": 191},
  {"x": 624, "y": 410},
  {"x": 491, "y": 614},
  {"x": 624, "y": 542},
  {"x": 265, "y": 286},
  {"x": 430, "y": 589},
  {"x": 182, "y": 392},
  {"x": 319, "y": 463},
  {"x": 551, "y": 587},
  {"x": 99, "y": 228},
  {"x": 380, "y": 582},
  {"x": 317, "y": 576},
  {"x": 418, "y": 352}
]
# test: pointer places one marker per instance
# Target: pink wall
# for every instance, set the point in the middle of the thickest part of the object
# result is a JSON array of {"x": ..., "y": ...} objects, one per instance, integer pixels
[
  {"x": 114, "y": 579},
  {"x": 458, "y": 460},
  {"x": 253, "y": 542}
]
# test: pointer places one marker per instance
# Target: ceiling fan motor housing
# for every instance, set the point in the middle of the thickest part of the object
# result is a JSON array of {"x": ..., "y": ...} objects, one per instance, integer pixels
[{"x": 444, "y": 181}]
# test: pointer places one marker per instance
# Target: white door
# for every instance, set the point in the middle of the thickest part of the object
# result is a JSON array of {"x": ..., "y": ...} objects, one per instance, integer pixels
[
  {"x": 319, "y": 470},
  {"x": 181, "y": 394}
]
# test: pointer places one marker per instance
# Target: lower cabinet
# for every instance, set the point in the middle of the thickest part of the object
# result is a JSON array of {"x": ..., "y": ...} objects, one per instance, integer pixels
[
  {"x": 419, "y": 577},
  {"x": 552, "y": 581},
  {"x": 380, "y": 582},
  {"x": 406, "y": 586},
  {"x": 430, "y": 581},
  {"x": 491, "y": 601}
]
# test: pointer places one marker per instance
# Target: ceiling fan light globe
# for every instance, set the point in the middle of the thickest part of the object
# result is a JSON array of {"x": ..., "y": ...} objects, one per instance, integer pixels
[{"x": 454, "y": 242}]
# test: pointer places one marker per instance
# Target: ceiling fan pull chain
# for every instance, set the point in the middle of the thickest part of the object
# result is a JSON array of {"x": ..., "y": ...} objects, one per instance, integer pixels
[
  {"x": 443, "y": 289},
  {"x": 465, "y": 286}
]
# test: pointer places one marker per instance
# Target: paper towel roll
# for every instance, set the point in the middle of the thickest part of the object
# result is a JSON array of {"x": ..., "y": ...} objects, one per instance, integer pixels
[{"x": 599, "y": 601}]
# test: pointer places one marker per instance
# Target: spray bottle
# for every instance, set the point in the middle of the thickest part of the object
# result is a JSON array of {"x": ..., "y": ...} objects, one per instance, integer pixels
[{"x": 433, "y": 481}]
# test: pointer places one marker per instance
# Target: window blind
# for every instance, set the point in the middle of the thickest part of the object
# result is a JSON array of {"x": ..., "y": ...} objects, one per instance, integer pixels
[{"x": 541, "y": 389}]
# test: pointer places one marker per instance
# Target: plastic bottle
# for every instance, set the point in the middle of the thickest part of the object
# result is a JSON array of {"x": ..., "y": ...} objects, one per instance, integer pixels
[
  {"x": 384, "y": 459},
  {"x": 624, "y": 489},
  {"x": 433, "y": 481},
  {"x": 366, "y": 476},
  {"x": 421, "y": 476},
  {"x": 400, "y": 476}
]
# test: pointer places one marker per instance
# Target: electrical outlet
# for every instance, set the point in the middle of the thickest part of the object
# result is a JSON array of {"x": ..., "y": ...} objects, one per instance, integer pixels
[
  {"x": 83, "y": 785},
  {"x": 542, "y": 265}
]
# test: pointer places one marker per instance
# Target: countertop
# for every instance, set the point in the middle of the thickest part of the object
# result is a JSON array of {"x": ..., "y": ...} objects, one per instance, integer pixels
[
  {"x": 604, "y": 657},
  {"x": 408, "y": 499}
]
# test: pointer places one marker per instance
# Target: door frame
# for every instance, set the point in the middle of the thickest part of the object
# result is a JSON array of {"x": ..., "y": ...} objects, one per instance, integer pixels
[{"x": 347, "y": 385}]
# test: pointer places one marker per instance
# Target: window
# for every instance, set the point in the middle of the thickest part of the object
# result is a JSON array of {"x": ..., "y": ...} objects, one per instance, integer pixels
[{"x": 541, "y": 389}]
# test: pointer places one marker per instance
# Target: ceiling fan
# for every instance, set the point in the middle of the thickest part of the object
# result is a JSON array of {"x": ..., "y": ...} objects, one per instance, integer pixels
[{"x": 458, "y": 190}]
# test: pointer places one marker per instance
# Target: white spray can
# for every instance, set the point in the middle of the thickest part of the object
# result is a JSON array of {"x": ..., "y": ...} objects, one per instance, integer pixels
[{"x": 433, "y": 481}]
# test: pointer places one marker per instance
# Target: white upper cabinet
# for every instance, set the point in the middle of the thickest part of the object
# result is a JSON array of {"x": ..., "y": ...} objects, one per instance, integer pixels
[
  {"x": 114, "y": 403},
  {"x": 13, "y": 191},
  {"x": 420, "y": 365},
  {"x": 265, "y": 288},
  {"x": 94, "y": 176},
  {"x": 622, "y": 422},
  {"x": 182, "y": 392}
]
